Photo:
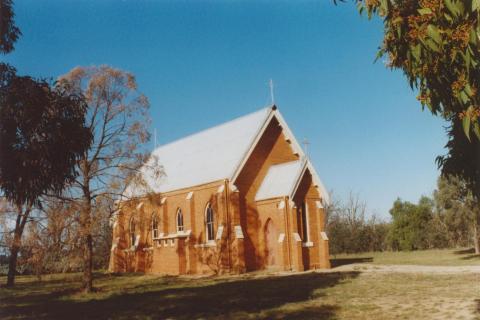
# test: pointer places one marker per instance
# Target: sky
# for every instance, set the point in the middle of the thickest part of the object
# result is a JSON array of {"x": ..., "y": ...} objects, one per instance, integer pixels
[{"x": 202, "y": 63}]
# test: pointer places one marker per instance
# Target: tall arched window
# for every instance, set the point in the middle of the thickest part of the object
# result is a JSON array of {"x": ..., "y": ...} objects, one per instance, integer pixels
[
  {"x": 131, "y": 229},
  {"x": 179, "y": 220},
  {"x": 154, "y": 226},
  {"x": 304, "y": 222},
  {"x": 210, "y": 232}
]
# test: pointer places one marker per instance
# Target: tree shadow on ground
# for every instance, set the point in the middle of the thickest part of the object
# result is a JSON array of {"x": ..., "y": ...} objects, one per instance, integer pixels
[
  {"x": 464, "y": 251},
  {"x": 471, "y": 257},
  {"x": 260, "y": 298},
  {"x": 343, "y": 261}
]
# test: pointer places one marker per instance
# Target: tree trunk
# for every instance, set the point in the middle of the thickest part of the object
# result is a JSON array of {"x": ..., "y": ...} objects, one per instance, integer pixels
[
  {"x": 476, "y": 232},
  {"x": 86, "y": 231},
  {"x": 85, "y": 225},
  {"x": 12, "y": 263},
  {"x": 88, "y": 264},
  {"x": 476, "y": 208},
  {"x": 17, "y": 242}
]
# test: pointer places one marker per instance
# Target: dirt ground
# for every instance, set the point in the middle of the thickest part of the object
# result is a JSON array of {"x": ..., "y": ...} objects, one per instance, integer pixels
[
  {"x": 362, "y": 291},
  {"x": 365, "y": 267}
]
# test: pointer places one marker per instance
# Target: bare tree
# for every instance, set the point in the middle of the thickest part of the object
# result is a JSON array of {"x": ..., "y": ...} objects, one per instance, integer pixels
[
  {"x": 350, "y": 230},
  {"x": 118, "y": 120}
]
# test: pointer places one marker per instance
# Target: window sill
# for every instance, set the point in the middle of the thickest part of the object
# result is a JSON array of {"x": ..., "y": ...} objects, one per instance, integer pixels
[
  {"x": 209, "y": 244},
  {"x": 179, "y": 234},
  {"x": 307, "y": 244}
]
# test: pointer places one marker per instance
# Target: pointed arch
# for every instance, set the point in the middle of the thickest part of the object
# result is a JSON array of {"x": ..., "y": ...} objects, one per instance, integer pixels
[
  {"x": 209, "y": 223},
  {"x": 304, "y": 225},
  {"x": 179, "y": 219},
  {"x": 154, "y": 225},
  {"x": 131, "y": 230}
]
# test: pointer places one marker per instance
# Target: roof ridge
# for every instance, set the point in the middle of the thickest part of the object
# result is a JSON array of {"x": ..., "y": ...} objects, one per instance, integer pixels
[{"x": 213, "y": 127}]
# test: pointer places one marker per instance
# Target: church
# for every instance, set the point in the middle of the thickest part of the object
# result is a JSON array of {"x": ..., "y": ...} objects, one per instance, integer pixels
[{"x": 237, "y": 197}]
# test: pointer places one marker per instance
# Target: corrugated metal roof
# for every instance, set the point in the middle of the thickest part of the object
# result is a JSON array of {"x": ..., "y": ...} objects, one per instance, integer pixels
[
  {"x": 207, "y": 156},
  {"x": 218, "y": 153},
  {"x": 280, "y": 180}
]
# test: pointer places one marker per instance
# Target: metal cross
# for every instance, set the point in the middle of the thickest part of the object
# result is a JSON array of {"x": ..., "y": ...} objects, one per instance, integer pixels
[
  {"x": 270, "y": 83},
  {"x": 305, "y": 146}
]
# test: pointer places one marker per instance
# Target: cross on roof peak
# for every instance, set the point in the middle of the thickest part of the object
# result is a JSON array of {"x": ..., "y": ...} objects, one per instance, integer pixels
[{"x": 306, "y": 143}]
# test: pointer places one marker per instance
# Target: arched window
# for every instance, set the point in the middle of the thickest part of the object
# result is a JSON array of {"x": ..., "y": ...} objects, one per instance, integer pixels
[
  {"x": 209, "y": 223},
  {"x": 179, "y": 220},
  {"x": 304, "y": 222},
  {"x": 154, "y": 226},
  {"x": 131, "y": 229}
]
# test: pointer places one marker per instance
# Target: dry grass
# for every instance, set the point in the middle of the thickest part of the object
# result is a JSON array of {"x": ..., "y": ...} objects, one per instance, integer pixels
[
  {"x": 311, "y": 295},
  {"x": 348, "y": 295},
  {"x": 444, "y": 257}
]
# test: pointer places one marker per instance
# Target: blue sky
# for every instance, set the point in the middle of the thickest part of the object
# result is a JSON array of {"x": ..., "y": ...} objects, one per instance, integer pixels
[{"x": 205, "y": 62}]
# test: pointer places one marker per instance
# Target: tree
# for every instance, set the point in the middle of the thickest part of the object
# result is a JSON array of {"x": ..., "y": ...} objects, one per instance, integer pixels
[
  {"x": 436, "y": 43},
  {"x": 455, "y": 192},
  {"x": 50, "y": 243},
  {"x": 350, "y": 231},
  {"x": 9, "y": 32},
  {"x": 410, "y": 224},
  {"x": 42, "y": 134},
  {"x": 118, "y": 120}
]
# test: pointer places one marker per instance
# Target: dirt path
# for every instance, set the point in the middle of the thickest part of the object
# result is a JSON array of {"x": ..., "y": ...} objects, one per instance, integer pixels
[{"x": 365, "y": 267}]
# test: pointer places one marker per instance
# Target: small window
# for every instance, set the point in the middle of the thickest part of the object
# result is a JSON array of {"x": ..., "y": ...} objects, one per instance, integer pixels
[
  {"x": 131, "y": 229},
  {"x": 154, "y": 226},
  {"x": 210, "y": 232},
  {"x": 179, "y": 220}
]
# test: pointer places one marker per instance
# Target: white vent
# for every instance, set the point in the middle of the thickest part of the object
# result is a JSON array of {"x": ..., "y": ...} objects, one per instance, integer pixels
[
  {"x": 296, "y": 237},
  {"x": 137, "y": 240},
  {"x": 319, "y": 204},
  {"x": 238, "y": 232},
  {"x": 219, "y": 233}
]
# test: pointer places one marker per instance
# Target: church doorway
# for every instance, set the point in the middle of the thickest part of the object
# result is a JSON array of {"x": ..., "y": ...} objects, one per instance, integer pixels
[{"x": 270, "y": 244}]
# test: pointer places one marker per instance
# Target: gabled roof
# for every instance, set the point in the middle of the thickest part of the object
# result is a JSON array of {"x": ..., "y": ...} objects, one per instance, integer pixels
[
  {"x": 209, "y": 155},
  {"x": 280, "y": 180},
  {"x": 214, "y": 154},
  {"x": 283, "y": 180}
]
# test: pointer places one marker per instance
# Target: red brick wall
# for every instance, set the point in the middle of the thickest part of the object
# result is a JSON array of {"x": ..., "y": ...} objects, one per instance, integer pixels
[
  {"x": 269, "y": 210},
  {"x": 231, "y": 208},
  {"x": 271, "y": 149},
  {"x": 184, "y": 256}
]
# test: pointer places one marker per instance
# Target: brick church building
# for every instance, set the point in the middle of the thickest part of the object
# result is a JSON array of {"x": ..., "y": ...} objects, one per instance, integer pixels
[{"x": 234, "y": 198}]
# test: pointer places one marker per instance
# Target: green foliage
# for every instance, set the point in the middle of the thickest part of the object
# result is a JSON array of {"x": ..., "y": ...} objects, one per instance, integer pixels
[
  {"x": 350, "y": 232},
  {"x": 444, "y": 221},
  {"x": 410, "y": 224},
  {"x": 9, "y": 32},
  {"x": 436, "y": 44},
  {"x": 456, "y": 209},
  {"x": 42, "y": 134},
  {"x": 462, "y": 160}
]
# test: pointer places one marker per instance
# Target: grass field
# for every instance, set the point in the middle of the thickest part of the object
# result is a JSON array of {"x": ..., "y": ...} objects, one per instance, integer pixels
[
  {"x": 349, "y": 294},
  {"x": 444, "y": 257}
]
